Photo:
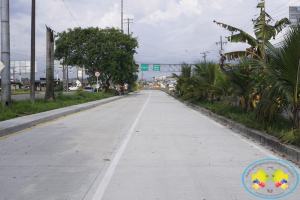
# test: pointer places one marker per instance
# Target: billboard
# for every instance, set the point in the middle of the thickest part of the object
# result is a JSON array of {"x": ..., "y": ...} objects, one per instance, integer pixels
[{"x": 21, "y": 67}]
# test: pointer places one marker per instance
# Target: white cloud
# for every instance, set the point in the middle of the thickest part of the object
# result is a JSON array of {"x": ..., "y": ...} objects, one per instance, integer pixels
[
  {"x": 216, "y": 5},
  {"x": 173, "y": 10}
]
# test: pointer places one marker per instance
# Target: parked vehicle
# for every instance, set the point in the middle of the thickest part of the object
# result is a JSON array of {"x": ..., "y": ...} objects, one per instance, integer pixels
[
  {"x": 89, "y": 89},
  {"x": 73, "y": 88}
]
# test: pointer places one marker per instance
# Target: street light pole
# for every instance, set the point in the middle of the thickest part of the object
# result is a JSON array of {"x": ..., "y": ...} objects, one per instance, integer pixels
[
  {"x": 32, "y": 65},
  {"x": 5, "y": 54}
]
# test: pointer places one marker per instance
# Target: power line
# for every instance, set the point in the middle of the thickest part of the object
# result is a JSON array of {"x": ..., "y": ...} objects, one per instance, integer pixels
[
  {"x": 281, "y": 14},
  {"x": 286, "y": 8},
  {"x": 280, "y": 6},
  {"x": 70, "y": 12}
]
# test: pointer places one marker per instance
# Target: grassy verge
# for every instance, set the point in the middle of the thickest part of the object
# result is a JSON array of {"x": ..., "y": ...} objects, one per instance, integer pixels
[
  {"x": 24, "y": 107},
  {"x": 21, "y": 91},
  {"x": 280, "y": 128},
  {"x": 130, "y": 90}
]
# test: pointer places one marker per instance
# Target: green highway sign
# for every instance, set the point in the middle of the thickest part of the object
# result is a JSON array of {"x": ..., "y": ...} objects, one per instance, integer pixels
[
  {"x": 156, "y": 68},
  {"x": 144, "y": 67}
]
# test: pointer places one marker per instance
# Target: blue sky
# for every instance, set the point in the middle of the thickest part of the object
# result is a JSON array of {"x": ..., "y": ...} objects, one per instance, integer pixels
[{"x": 169, "y": 31}]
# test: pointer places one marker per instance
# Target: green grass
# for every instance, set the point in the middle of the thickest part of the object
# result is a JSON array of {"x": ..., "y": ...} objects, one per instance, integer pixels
[
  {"x": 130, "y": 90},
  {"x": 24, "y": 107},
  {"x": 21, "y": 91}
]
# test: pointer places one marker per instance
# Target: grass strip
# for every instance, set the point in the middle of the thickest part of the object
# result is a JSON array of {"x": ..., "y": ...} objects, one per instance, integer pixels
[{"x": 24, "y": 107}]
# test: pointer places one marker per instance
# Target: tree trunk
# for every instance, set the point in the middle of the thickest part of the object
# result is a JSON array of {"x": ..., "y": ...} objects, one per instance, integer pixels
[
  {"x": 49, "y": 95},
  {"x": 107, "y": 85},
  {"x": 296, "y": 117},
  {"x": 246, "y": 104},
  {"x": 212, "y": 99}
]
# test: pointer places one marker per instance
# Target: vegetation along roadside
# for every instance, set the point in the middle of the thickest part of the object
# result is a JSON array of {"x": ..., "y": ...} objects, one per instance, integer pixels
[
  {"x": 262, "y": 91},
  {"x": 24, "y": 107}
]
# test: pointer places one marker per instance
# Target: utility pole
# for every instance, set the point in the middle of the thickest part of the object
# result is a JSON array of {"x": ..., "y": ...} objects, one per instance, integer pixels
[
  {"x": 82, "y": 77},
  {"x": 221, "y": 43},
  {"x": 67, "y": 81},
  {"x": 122, "y": 15},
  {"x": 5, "y": 54},
  {"x": 142, "y": 77},
  {"x": 205, "y": 55},
  {"x": 128, "y": 21},
  {"x": 32, "y": 65},
  {"x": 223, "y": 58},
  {"x": 64, "y": 79}
]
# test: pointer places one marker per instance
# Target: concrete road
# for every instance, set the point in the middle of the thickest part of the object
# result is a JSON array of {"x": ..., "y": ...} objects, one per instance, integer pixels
[
  {"x": 145, "y": 146},
  {"x": 27, "y": 96}
]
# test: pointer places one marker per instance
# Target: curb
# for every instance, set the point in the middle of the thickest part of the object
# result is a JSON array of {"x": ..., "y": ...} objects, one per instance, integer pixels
[
  {"x": 11, "y": 126},
  {"x": 291, "y": 152}
]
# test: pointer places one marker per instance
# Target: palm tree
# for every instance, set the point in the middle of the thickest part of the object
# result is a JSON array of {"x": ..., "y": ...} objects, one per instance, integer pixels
[
  {"x": 263, "y": 32},
  {"x": 243, "y": 83},
  {"x": 207, "y": 74},
  {"x": 281, "y": 77},
  {"x": 184, "y": 77}
]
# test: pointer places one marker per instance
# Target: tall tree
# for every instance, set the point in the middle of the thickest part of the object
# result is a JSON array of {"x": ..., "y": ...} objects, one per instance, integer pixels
[{"x": 109, "y": 51}]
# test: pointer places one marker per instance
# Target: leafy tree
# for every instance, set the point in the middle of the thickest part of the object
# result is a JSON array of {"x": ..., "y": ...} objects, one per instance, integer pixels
[
  {"x": 263, "y": 32},
  {"x": 25, "y": 80},
  {"x": 108, "y": 51}
]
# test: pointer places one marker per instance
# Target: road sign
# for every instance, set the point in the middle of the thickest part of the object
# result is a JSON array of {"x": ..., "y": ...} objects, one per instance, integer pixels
[
  {"x": 144, "y": 67},
  {"x": 97, "y": 74},
  {"x": 156, "y": 68}
]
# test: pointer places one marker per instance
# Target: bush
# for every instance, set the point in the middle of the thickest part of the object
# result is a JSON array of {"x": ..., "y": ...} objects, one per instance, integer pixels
[{"x": 113, "y": 92}]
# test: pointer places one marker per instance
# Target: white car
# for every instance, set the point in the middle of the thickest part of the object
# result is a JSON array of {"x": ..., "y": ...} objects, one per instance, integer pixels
[{"x": 73, "y": 88}]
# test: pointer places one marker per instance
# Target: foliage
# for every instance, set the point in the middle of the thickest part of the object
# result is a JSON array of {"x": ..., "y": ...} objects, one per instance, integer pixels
[
  {"x": 108, "y": 51},
  {"x": 243, "y": 84},
  {"x": 263, "y": 32},
  {"x": 202, "y": 83},
  {"x": 24, "y": 107},
  {"x": 280, "y": 128},
  {"x": 207, "y": 76},
  {"x": 113, "y": 92},
  {"x": 282, "y": 77}
]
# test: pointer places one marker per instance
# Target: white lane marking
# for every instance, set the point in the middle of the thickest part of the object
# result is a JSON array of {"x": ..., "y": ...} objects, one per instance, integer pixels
[
  {"x": 109, "y": 173},
  {"x": 244, "y": 140}
]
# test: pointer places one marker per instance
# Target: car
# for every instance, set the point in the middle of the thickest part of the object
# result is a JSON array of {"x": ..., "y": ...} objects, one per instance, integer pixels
[
  {"x": 172, "y": 84},
  {"x": 89, "y": 89},
  {"x": 73, "y": 88}
]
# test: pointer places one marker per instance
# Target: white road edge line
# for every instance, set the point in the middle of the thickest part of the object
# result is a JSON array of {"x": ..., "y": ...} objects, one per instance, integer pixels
[
  {"x": 109, "y": 173},
  {"x": 253, "y": 144}
]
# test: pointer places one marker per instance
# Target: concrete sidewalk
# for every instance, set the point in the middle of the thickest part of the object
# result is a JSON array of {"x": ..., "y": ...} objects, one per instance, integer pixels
[{"x": 18, "y": 124}]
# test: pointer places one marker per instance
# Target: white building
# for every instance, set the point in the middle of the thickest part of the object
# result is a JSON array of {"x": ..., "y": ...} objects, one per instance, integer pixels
[{"x": 294, "y": 14}]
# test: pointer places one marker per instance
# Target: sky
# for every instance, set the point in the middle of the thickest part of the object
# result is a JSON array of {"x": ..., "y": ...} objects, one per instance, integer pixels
[{"x": 168, "y": 31}]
